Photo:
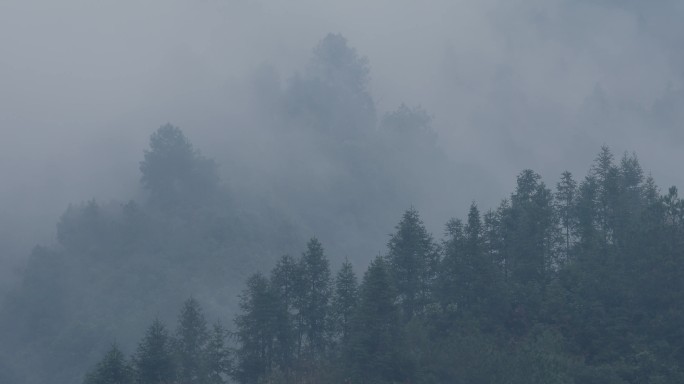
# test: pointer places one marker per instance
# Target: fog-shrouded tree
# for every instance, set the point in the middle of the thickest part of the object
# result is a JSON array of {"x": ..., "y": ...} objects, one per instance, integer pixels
[
  {"x": 344, "y": 301},
  {"x": 566, "y": 198},
  {"x": 448, "y": 285},
  {"x": 469, "y": 280},
  {"x": 375, "y": 351},
  {"x": 314, "y": 298},
  {"x": 332, "y": 95},
  {"x": 531, "y": 236},
  {"x": 263, "y": 346},
  {"x": 605, "y": 173},
  {"x": 190, "y": 344},
  {"x": 112, "y": 369},
  {"x": 413, "y": 259},
  {"x": 587, "y": 227},
  {"x": 285, "y": 280},
  {"x": 174, "y": 172},
  {"x": 410, "y": 129},
  {"x": 153, "y": 361},
  {"x": 218, "y": 359}
]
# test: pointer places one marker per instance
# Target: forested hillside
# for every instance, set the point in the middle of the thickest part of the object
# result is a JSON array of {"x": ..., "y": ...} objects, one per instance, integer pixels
[
  {"x": 199, "y": 228},
  {"x": 580, "y": 283},
  {"x": 272, "y": 241},
  {"x": 118, "y": 264}
]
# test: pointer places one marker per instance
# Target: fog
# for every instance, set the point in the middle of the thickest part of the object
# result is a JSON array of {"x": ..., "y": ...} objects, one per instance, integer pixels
[
  {"x": 511, "y": 85},
  {"x": 508, "y": 85}
]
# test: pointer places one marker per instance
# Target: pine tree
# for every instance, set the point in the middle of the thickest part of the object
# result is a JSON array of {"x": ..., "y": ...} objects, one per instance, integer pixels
[
  {"x": 587, "y": 221},
  {"x": 468, "y": 274},
  {"x": 262, "y": 346},
  {"x": 531, "y": 234},
  {"x": 344, "y": 300},
  {"x": 533, "y": 229},
  {"x": 630, "y": 204},
  {"x": 314, "y": 300},
  {"x": 566, "y": 195},
  {"x": 479, "y": 270},
  {"x": 217, "y": 356},
  {"x": 153, "y": 361},
  {"x": 190, "y": 345},
  {"x": 174, "y": 172},
  {"x": 414, "y": 259},
  {"x": 449, "y": 289},
  {"x": 375, "y": 350},
  {"x": 112, "y": 369},
  {"x": 285, "y": 280},
  {"x": 605, "y": 173}
]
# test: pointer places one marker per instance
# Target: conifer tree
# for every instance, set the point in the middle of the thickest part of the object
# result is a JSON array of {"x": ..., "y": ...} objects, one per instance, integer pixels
[
  {"x": 449, "y": 289},
  {"x": 112, "y": 369},
  {"x": 262, "y": 346},
  {"x": 630, "y": 204},
  {"x": 344, "y": 300},
  {"x": 375, "y": 350},
  {"x": 533, "y": 229},
  {"x": 174, "y": 172},
  {"x": 217, "y": 362},
  {"x": 468, "y": 274},
  {"x": 285, "y": 281},
  {"x": 566, "y": 196},
  {"x": 314, "y": 298},
  {"x": 479, "y": 271},
  {"x": 605, "y": 174},
  {"x": 190, "y": 345},
  {"x": 530, "y": 230},
  {"x": 413, "y": 258},
  {"x": 587, "y": 222},
  {"x": 153, "y": 360}
]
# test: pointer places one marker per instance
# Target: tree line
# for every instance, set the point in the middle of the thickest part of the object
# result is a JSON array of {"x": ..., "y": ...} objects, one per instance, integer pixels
[{"x": 579, "y": 284}]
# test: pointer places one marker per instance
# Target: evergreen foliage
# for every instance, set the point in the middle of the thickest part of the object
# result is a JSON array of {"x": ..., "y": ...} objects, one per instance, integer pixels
[
  {"x": 580, "y": 285},
  {"x": 374, "y": 351},
  {"x": 261, "y": 332},
  {"x": 192, "y": 338},
  {"x": 174, "y": 172},
  {"x": 218, "y": 362},
  {"x": 112, "y": 369},
  {"x": 413, "y": 260},
  {"x": 345, "y": 300},
  {"x": 314, "y": 300},
  {"x": 153, "y": 361}
]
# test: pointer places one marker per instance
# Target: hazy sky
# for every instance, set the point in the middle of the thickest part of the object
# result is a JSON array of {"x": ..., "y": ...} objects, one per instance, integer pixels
[{"x": 511, "y": 84}]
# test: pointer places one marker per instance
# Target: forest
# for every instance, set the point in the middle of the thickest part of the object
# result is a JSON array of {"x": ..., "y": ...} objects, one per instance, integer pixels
[
  {"x": 309, "y": 240},
  {"x": 576, "y": 284}
]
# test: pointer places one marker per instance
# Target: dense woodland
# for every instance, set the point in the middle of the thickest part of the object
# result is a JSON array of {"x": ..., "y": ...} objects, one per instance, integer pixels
[{"x": 577, "y": 282}]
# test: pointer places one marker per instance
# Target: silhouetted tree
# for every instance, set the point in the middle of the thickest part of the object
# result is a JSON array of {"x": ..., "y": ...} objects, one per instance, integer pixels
[
  {"x": 314, "y": 299},
  {"x": 175, "y": 173},
  {"x": 190, "y": 344},
  {"x": 345, "y": 300},
  {"x": 112, "y": 369},
  {"x": 262, "y": 346},
  {"x": 218, "y": 363},
  {"x": 332, "y": 96},
  {"x": 375, "y": 350},
  {"x": 566, "y": 196},
  {"x": 153, "y": 360},
  {"x": 413, "y": 258}
]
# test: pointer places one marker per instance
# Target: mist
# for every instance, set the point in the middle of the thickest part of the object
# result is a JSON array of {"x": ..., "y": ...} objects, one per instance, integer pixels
[
  {"x": 493, "y": 87},
  {"x": 510, "y": 85}
]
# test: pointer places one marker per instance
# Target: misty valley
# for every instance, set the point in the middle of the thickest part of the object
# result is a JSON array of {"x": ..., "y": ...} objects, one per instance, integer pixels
[{"x": 327, "y": 239}]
